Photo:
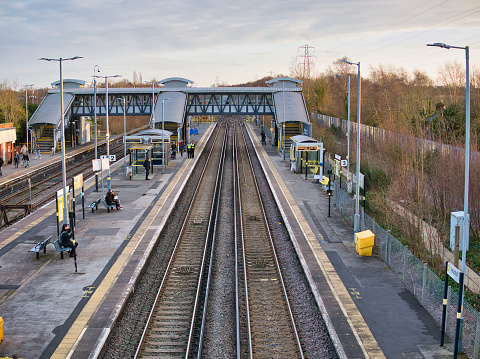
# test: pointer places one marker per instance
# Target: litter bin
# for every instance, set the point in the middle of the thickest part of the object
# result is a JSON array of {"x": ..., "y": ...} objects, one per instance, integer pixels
[{"x": 364, "y": 242}]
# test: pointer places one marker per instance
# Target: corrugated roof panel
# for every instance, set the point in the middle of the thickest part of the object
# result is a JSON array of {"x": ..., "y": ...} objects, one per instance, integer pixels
[
  {"x": 174, "y": 107},
  {"x": 294, "y": 107},
  {"x": 49, "y": 110}
]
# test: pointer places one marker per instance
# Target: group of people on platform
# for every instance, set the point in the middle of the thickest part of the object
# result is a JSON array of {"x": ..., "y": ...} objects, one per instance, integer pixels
[{"x": 189, "y": 147}]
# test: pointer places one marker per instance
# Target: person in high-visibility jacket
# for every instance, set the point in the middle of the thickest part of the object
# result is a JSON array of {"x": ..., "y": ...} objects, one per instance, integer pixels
[
  {"x": 192, "y": 150},
  {"x": 189, "y": 150}
]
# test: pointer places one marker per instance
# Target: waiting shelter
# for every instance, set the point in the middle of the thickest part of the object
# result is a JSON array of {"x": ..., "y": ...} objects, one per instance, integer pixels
[
  {"x": 306, "y": 156},
  {"x": 153, "y": 143}
]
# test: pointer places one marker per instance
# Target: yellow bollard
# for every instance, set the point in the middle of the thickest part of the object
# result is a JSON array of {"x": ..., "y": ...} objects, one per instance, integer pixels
[{"x": 1, "y": 329}]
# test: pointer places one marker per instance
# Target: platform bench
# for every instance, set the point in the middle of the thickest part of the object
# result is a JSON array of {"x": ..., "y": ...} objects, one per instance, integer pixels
[
  {"x": 94, "y": 205},
  {"x": 61, "y": 248},
  {"x": 41, "y": 245},
  {"x": 108, "y": 206}
]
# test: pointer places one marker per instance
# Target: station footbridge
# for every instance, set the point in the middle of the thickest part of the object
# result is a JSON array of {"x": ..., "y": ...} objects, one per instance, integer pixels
[{"x": 174, "y": 104}]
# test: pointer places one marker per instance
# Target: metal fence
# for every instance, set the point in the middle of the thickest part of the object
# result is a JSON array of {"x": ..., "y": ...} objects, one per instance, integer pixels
[{"x": 421, "y": 281}]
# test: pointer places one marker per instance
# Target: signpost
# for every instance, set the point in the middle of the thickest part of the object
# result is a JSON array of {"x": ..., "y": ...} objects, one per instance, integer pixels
[{"x": 458, "y": 276}]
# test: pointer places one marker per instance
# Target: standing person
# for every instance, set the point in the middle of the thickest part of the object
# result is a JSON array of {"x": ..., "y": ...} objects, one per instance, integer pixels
[
  {"x": 180, "y": 148},
  {"x": 16, "y": 159},
  {"x": 263, "y": 138},
  {"x": 189, "y": 150},
  {"x": 26, "y": 158},
  {"x": 192, "y": 150},
  {"x": 1, "y": 164},
  {"x": 146, "y": 164},
  {"x": 66, "y": 238},
  {"x": 37, "y": 151},
  {"x": 23, "y": 152}
]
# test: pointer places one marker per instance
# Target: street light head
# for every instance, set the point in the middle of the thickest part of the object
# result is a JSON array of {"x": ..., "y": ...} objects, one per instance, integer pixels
[{"x": 440, "y": 44}]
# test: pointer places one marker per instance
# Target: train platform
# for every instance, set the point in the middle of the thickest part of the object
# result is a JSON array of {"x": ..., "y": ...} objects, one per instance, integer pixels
[
  {"x": 383, "y": 318},
  {"x": 53, "y": 310}
]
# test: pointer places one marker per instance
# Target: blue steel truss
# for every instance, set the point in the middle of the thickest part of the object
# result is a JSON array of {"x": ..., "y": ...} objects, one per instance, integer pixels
[
  {"x": 230, "y": 104},
  {"x": 135, "y": 105}
]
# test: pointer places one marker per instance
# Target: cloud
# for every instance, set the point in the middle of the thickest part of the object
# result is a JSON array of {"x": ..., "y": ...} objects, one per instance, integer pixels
[{"x": 211, "y": 36}]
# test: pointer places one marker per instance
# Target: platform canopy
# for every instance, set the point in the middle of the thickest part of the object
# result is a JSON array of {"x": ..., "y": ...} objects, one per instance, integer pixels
[
  {"x": 175, "y": 103},
  {"x": 295, "y": 109},
  {"x": 49, "y": 110}
]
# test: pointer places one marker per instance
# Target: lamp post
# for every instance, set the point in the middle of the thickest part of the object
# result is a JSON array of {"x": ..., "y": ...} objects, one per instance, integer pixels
[
  {"x": 124, "y": 135},
  {"x": 152, "y": 120},
  {"x": 64, "y": 172},
  {"x": 26, "y": 111},
  {"x": 95, "y": 119},
  {"x": 466, "y": 219},
  {"x": 348, "y": 124},
  {"x": 163, "y": 133},
  {"x": 107, "y": 135},
  {"x": 356, "y": 220}
]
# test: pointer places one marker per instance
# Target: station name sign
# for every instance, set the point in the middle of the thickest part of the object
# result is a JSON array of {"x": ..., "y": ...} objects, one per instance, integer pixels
[{"x": 307, "y": 148}]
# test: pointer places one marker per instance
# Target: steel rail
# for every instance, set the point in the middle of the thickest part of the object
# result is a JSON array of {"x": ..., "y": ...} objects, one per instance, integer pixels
[
  {"x": 287, "y": 301},
  {"x": 169, "y": 267},
  {"x": 213, "y": 221}
]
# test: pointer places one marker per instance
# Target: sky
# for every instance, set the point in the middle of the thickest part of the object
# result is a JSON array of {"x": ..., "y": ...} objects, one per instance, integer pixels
[{"x": 224, "y": 41}]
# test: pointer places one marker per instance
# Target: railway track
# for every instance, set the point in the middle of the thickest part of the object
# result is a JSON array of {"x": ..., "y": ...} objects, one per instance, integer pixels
[
  {"x": 180, "y": 322},
  {"x": 169, "y": 329},
  {"x": 212, "y": 285},
  {"x": 44, "y": 188}
]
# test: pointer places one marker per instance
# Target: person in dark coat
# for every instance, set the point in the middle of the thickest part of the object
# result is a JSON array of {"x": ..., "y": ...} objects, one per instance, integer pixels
[
  {"x": 112, "y": 199},
  {"x": 147, "y": 165},
  {"x": 66, "y": 238},
  {"x": 1, "y": 164}
]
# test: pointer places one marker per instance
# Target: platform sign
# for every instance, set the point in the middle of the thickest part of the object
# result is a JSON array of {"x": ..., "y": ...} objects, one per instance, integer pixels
[
  {"x": 113, "y": 158},
  {"x": 60, "y": 203},
  {"x": 453, "y": 272},
  {"x": 338, "y": 157},
  {"x": 362, "y": 181},
  {"x": 78, "y": 182},
  {"x": 337, "y": 167},
  {"x": 344, "y": 163},
  {"x": 101, "y": 164}
]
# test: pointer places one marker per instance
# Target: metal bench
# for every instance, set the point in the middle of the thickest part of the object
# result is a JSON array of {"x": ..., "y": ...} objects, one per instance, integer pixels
[
  {"x": 94, "y": 205},
  {"x": 41, "y": 245},
  {"x": 108, "y": 206},
  {"x": 61, "y": 248}
]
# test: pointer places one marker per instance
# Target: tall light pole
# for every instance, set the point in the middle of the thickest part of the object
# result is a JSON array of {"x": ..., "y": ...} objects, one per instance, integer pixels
[
  {"x": 107, "y": 109},
  {"x": 64, "y": 171},
  {"x": 356, "y": 218},
  {"x": 96, "y": 67},
  {"x": 152, "y": 124},
  {"x": 26, "y": 111},
  {"x": 466, "y": 219},
  {"x": 124, "y": 135},
  {"x": 348, "y": 124},
  {"x": 163, "y": 133}
]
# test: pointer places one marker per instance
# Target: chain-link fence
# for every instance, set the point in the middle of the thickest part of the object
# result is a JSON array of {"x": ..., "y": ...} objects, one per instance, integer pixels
[{"x": 421, "y": 281}]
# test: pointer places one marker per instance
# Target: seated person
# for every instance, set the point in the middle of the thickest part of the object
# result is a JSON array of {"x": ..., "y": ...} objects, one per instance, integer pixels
[
  {"x": 112, "y": 199},
  {"x": 65, "y": 238}
]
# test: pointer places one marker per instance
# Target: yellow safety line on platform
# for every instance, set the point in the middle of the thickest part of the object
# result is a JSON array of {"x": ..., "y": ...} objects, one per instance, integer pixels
[
  {"x": 93, "y": 304},
  {"x": 69, "y": 341},
  {"x": 357, "y": 323},
  {"x": 26, "y": 228}
]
